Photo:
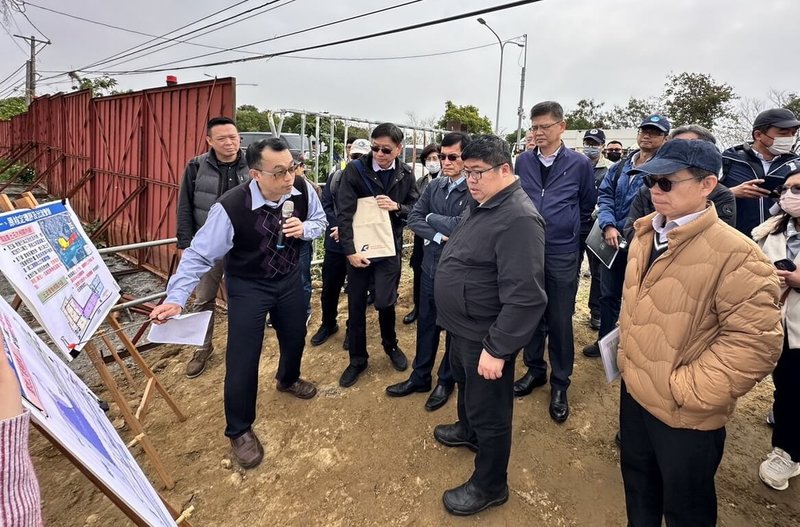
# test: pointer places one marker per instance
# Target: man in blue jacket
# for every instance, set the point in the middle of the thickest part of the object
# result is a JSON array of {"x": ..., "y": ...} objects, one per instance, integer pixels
[
  {"x": 745, "y": 166},
  {"x": 560, "y": 182},
  {"x": 616, "y": 194}
]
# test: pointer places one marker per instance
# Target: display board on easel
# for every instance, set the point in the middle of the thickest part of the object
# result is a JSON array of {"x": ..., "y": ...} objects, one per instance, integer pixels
[
  {"x": 56, "y": 270},
  {"x": 62, "y": 406}
]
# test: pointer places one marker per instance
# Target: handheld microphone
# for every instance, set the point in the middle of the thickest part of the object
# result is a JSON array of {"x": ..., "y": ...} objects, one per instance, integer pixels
[{"x": 286, "y": 213}]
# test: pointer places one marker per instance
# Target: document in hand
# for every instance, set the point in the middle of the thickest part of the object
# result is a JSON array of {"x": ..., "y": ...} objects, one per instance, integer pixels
[
  {"x": 608, "y": 352},
  {"x": 597, "y": 244},
  {"x": 183, "y": 329},
  {"x": 372, "y": 230}
]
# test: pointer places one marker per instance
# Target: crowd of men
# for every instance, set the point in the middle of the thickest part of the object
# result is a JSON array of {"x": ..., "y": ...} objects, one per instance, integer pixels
[{"x": 701, "y": 309}]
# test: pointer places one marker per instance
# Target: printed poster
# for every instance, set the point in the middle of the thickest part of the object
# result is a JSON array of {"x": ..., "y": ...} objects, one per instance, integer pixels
[
  {"x": 48, "y": 258},
  {"x": 63, "y": 405}
]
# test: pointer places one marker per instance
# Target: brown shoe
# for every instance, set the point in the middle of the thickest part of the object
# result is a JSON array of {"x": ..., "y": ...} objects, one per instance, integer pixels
[
  {"x": 197, "y": 365},
  {"x": 300, "y": 389},
  {"x": 247, "y": 450}
]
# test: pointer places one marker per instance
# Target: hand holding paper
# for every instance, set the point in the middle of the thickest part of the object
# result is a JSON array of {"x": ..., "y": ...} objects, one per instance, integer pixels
[{"x": 181, "y": 329}]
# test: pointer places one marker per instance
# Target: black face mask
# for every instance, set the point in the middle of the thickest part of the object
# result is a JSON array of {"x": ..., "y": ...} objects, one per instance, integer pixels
[{"x": 614, "y": 156}]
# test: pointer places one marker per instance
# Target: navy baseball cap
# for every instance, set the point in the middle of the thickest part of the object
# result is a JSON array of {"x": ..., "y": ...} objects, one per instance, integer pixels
[
  {"x": 679, "y": 154},
  {"x": 777, "y": 117},
  {"x": 595, "y": 134},
  {"x": 658, "y": 121}
]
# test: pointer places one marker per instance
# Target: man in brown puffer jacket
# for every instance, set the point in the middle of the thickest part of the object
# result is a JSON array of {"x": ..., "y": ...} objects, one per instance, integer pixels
[{"x": 700, "y": 326}]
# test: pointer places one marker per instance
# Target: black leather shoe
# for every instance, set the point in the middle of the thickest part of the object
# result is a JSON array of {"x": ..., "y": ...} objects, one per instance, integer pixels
[
  {"x": 592, "y": 350},
  {"x": 438, "y": 397},
  {"x": 397, "y": 357},
  {"x": 350, "y": 375},
  {"x": 411, "y": 317},
  {"x": 466, "y": 500},
  {"x": 452, "y": 436},
  {"x": 322, "y": 334},
  {"x": 401, "y": 389},
  {"x": 594, "y": 322},
  {"x": 559, "y": 407},
  {"x": 527, "y": 383}
]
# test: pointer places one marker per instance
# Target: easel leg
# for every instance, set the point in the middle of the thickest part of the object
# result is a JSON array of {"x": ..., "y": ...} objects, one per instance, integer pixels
[{"x": 113, "y": 350}]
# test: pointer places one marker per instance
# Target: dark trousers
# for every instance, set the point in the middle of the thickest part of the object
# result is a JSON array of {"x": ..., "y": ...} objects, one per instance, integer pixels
[
  {"x": 305, "y": 272},
  {"x": 428, "y": 334},
  {"x": 249, "y": 301},
  {"x": 415, "y": 262},
  {"x": 561, "y": 286},
  {"x": 786, "y": 432},
  {"x": 386, "y": 273},
  {"x": 667, "y": 472},
  {"x": 594, "y": 285},
  {"x": 334, "y": 272},
  {"x": 485, "y": 411},
  {"x": 611, "y": 281}
]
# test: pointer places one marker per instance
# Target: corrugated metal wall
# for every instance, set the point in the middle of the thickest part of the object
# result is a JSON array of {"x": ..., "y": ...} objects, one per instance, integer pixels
[{"x": 120, "y": 158}]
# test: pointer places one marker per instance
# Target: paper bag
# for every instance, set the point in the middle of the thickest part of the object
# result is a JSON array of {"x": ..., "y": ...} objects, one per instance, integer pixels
[{"x": 372, "y": 230}]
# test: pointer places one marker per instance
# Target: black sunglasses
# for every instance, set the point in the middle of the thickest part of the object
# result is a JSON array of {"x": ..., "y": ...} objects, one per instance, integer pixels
[
  {"x": 449, "y": 157},
  {"x": 663, "y": 183},
  {"x": 384, "y": 149}
]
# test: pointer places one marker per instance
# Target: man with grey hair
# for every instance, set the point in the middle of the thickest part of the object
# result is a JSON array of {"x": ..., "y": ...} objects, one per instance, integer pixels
[
  {"x": 560, "y": 182},
  {"x": 489, "y": 292}
]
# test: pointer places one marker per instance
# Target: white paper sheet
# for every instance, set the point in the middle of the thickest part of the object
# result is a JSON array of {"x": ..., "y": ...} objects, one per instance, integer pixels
[
  {"x": 608, "y": 352},
  {"x": 183, "y": 329}
]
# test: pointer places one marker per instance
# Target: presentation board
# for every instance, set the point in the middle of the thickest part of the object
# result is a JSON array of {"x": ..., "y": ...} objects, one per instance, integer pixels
[
  {"x": 52, "y": 264},
  {"x": 62, "y": 405}
]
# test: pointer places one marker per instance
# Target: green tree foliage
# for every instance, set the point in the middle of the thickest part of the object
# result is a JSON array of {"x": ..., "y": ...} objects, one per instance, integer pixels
[
  {"x": 696, "y": 98},
  {"x": 587, "y": 114},
  {"x": 99, "y": 86},
  {"x": 794, "y": 103},
  {"x": 251, "y": 119},
  {"x": 468, "y": 116},
  {"x": 12, "y": 106},
  {"x": 631, "y": 114}
]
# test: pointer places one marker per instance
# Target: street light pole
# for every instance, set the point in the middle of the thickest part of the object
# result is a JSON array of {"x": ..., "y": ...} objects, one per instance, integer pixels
[
  {"x": 500, "y": 79},
  {"x": 520, "y": 109}
]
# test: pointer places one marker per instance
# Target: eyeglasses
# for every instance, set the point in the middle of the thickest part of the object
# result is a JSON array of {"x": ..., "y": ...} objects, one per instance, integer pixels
[
  {"x": 663, "y": 183},
  {"x": 783, "y": 188},
  {"x": 384, "y": 149},
  {"x": 449, "y": 157},
  {"x": 281, "y": 172},
  {"x": 476, "y": 175},
  {"x": 543, "y": 127},
  {"x": 652, "y": 131}
]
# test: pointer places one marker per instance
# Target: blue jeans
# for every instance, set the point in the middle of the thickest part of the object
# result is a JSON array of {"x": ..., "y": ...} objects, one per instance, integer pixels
[{"x": 305, "y": 273}]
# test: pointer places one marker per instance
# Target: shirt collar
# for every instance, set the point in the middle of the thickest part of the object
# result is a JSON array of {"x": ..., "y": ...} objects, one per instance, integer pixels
[
  {"x": 791, "y": 230},
  {"x": 663, "y": 227},
  {"x": 376, "y": 167},
  {"x": 259, "y": 201},
  {"x": 552, "y": 156}
]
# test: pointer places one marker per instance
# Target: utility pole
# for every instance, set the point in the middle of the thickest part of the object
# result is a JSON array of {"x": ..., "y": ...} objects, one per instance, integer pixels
[
  {"x": 30, "y": 68},
  {"x": 520, "y": 109}
]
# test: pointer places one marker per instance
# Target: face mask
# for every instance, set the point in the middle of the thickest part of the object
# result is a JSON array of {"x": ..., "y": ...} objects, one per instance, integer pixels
[
  {"x": 790, "y": 203},
  {"x": 781, "y": 145},
  {"x": 614, "y": 156},
  {"x": 592, "y": 152},
  {"x": 433, "y": 167}
]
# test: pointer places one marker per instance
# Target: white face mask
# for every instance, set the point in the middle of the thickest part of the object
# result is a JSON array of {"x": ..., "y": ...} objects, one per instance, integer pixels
[
  {"x": 790, "y": 203},
  {"x": 781, "y": 145},
  {"x": 433, "y": 167}
]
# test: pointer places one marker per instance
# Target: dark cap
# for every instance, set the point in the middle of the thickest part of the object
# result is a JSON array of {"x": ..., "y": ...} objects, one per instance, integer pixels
[
  {"x": 777, "y": 117},
  {"x": 595, "y": 134},
  {"x": 679, "y": 154},
  {"x": 658, "y": 121}
]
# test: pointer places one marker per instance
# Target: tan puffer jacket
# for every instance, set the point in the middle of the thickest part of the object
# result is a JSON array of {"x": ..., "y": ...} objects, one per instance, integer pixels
[{"x": 702, "y": 326}]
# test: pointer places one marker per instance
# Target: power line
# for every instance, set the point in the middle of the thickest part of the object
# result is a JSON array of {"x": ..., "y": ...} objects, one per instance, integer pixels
[
  {"x": 402, "y": 57},
  {"x": 13, "y": 39},
  {"x": 21, "y": 9},
  {"x": 328, "y": 44},
  {"x": 12, "y": 74},
  {"x": 298, "y": 32}
]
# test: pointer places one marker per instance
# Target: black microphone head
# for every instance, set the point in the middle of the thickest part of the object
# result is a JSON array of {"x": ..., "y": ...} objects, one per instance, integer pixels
[{"x": 288, "y": 209}]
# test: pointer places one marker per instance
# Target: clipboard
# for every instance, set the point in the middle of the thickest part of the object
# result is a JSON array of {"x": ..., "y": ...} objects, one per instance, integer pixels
[{"x": 596, "y": 243}]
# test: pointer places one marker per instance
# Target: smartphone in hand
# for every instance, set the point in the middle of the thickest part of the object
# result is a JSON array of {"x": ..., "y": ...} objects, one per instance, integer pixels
[{"x": 786, "y": 265}]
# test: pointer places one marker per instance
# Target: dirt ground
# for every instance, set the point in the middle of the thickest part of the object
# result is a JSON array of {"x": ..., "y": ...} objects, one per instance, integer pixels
[{"x": 356, "y": 457}]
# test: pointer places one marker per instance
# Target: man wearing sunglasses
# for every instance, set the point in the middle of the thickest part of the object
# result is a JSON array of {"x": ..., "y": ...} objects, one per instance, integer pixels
[
  {"x": 560, "y": 182},
  {"x": 700, "y": 326},
  {"x": 745, "y": 167},
  {"x": 617, "y": 191},
  {"x": 381, "y": 175},
  {"x": 434, "y": 218},
  {"x": 243, "y": 229}
]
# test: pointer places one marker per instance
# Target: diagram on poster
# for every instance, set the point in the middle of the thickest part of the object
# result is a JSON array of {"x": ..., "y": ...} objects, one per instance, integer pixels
[
  {"x": 55, "y": 268},
  {"x": 62, "y": 405}
]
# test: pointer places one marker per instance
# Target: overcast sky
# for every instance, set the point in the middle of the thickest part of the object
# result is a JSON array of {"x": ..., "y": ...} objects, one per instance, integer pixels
[{"x": 608, "y": 50}]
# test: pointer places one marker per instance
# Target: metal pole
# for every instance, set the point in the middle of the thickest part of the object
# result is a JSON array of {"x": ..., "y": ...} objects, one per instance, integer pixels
[
  {"x": 316, "y": 157},
  {"x": 134, "y": 246},
  {"x": 344, "y": 145},
  {"x": 303, "y": 138},
  {"x": 520, "y": 109},
  {"x": 331, "y": 148},
  {"x": 500, "y": 80}
]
